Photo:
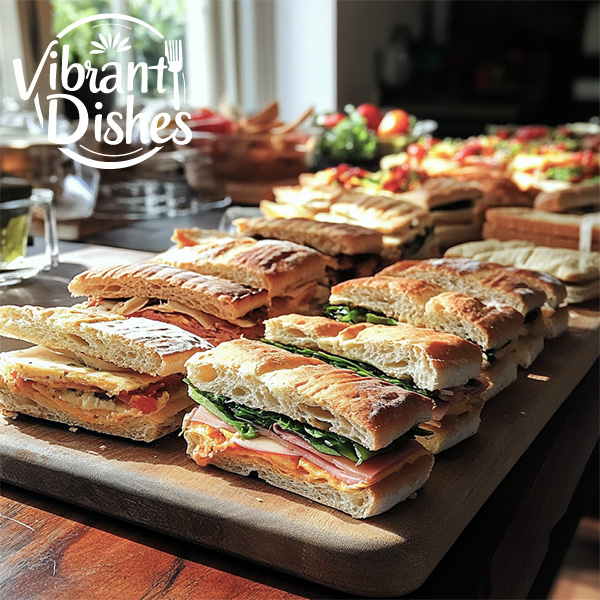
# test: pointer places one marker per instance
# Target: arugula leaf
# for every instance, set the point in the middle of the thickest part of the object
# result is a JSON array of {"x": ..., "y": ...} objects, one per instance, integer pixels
[
  {"x": 346, "y": 314},
  {"x": 246, "y": 420},
  {"x": 217, "y": 406},
  {"x": 360, "y": 368}
]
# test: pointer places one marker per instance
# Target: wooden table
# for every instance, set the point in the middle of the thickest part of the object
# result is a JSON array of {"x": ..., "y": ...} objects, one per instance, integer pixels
[{"x": 51, "y": 549}]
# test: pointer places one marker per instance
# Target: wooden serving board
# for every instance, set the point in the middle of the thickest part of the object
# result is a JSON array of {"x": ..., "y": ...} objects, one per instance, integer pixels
[{"x": 158, "y": 486}]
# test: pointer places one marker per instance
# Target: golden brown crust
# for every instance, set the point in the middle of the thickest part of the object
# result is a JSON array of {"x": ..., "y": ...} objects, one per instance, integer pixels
[
  {"x": 431, "y": 359},
  {"x": 259, "y": 375},
  {"x": 538, "y": 222},
  {"x": 329, "y": 238},
  {"x": 522, "y": 289},
  {"x": 140, "y": 344},
  {"x": 570, "y": 198},
  {"x": 439, "y": 191},
  {"x": 386, "y": 214},
  {"x": 437, "y": 345},
  {"x": 505, "y": 233},
  {"x": 426, "y": 304},
  {"x": 213, "y": 295},
  {"x": 276, "y": 266}
]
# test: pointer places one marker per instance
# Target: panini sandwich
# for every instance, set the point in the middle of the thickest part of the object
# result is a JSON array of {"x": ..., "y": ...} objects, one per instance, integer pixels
[
  {"x": 327, "y": 434},
  {"x": 98, "y": 371},
  {"x": 441, "y": 366},
  {"x": 214, "y": 308},
  {"x": 292, "y": 275}
]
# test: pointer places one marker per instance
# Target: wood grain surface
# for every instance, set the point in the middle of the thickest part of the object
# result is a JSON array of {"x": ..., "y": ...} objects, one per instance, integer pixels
[{"x": 158, "y": 486}]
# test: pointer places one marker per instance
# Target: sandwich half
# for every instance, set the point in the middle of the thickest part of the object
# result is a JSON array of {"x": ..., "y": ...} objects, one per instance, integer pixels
[
  {"x": 95, "y": 370},
  {"x": 290, "y": 273},
  {"x": 441, "y": 366},
  {"x": 214, "y": 308},
  {"x": 536, "y": 295},
  {"x": 355, "y": 250},
  {"x": 392, "y": 300},
  {"x": 324, "y": 433}
]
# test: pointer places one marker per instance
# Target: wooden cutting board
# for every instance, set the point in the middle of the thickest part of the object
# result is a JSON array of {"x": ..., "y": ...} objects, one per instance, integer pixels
[{"x": 158, "y": 486}]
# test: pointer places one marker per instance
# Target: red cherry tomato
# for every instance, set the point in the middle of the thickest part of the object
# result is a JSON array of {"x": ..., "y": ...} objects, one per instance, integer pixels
[
  {"x": 372, "y": 115},
  {"x": 332, "y": 119},
  {"x": 417, "y": 152},
  {"x": 394, "y": 122},
  {"x": 208, "y": 121}
]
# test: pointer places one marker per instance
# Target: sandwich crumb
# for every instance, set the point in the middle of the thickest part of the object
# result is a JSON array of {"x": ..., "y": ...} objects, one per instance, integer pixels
[
  {"x": 413, "y": 496},
  {"x": 523, "y": 412},
  {"x": 259, "y": 499},
  {"x": 103, "y": 447},
  {"x": 74, "y": 429}
]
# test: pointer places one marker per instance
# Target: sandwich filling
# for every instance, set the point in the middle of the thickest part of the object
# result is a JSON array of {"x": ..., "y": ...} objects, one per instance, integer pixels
[
  {"x": 448, "y": 401},
  {"x": 221, "y": 425},
  {"x": 213, "y": 329},
  {"x": 62, "y": 382}
]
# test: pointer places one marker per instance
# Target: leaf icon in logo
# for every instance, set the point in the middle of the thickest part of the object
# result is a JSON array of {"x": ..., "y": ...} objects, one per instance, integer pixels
[{"x": 106, "y": 44}]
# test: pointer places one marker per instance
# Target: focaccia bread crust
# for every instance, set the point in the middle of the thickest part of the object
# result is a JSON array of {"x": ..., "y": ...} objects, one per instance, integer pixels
[
  {"x": 570, "y": 266},
  {"x": 139, "y": 344},
  {"x": 214, "y": 295},
  {"x": 522, "y": 289},
  {"x": 432, "y": 359},
  {"x": 571, "y": 198},
  {"x": 440, "y": 191},
  {"x": 367, "y": 410},
  {"x": 427, "y": 305},
  {"x": 273, "y": 265},
  {"x": 329, "y": 238}
]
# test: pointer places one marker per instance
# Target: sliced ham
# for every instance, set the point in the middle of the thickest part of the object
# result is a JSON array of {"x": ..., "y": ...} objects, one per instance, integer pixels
[{"x": 291, "y": 444}]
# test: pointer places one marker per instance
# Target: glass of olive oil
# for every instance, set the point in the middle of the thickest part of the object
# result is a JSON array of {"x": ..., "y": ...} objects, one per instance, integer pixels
[{"x": 18, "y": 203}]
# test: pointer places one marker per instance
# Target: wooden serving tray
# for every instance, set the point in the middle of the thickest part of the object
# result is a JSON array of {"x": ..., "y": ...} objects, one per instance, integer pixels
[{"x": 158, "y": 486}]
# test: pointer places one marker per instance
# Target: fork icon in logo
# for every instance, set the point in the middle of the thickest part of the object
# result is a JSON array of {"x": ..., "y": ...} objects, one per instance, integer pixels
[{"x": 174, "y": 55}]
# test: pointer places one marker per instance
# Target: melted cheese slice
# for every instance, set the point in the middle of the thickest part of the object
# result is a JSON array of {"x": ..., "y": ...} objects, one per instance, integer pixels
[
  {"x": 128, "y": 307},
  {"x": 41, "y": 364}
]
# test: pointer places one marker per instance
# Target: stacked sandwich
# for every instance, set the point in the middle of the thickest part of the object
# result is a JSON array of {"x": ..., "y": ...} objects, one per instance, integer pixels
[
  {"x": 407, "y": 229},
  {"x": 543, "y": 228},
  {"x": 214, "y": 308},
  {"x": 324, "y": 433},
  {"x": 292, "y": 275},
  {"x": 98, "y": 371},
  {"x": 506, "y": 312},
  {"x": 578, "y": 271},
  {"x": 354, "y": 251},
  {"x": 442, "y": 366}
]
